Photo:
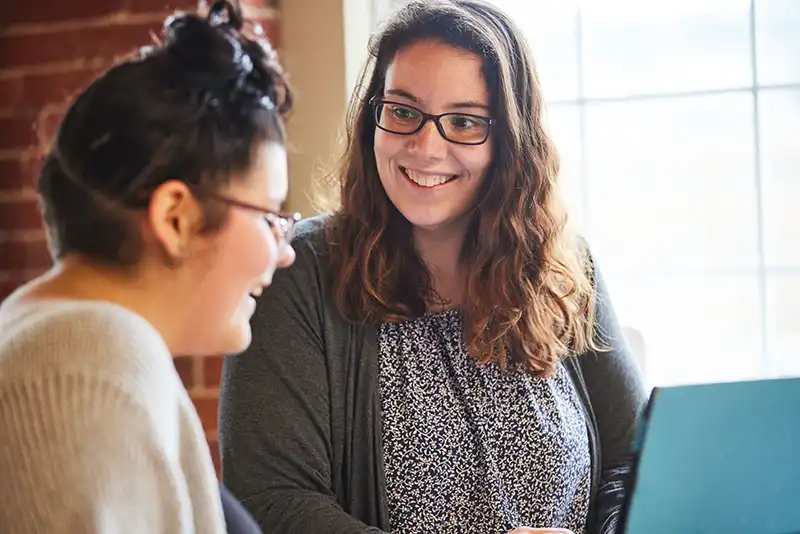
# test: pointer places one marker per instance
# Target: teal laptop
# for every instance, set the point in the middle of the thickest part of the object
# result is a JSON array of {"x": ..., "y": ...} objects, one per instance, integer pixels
[{"x": 718, "y": 459}]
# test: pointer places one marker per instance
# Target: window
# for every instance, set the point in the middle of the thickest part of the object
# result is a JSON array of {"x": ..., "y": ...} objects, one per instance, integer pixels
[{"x": 679, "y": 130}]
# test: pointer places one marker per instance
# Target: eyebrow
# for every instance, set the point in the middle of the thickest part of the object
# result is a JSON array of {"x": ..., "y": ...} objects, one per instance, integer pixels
[{"x": 457, "y": 105}]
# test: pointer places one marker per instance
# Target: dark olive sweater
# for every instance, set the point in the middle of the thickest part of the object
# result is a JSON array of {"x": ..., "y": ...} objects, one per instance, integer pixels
[{"x": 300, "y": 421}]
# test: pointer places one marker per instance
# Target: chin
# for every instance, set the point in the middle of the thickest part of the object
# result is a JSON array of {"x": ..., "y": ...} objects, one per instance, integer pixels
[
  {"x": 230, "y": 343},
  {"x": 432, "y": 219},
  {"x": 427, "y": 223},
  {"x": 431, "y": 210},
  {"x": 240, "y": 342}
]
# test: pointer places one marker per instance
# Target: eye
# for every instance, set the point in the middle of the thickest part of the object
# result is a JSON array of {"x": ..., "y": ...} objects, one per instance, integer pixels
[
  {"x": 403, "y": 114},
  {"x": 465, "y": 122}
]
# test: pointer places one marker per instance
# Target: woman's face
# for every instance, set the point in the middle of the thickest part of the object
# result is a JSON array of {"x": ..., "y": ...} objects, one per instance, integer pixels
[
  {"x": 433, "y": 182},
  {"x": 239, "y": 259}
]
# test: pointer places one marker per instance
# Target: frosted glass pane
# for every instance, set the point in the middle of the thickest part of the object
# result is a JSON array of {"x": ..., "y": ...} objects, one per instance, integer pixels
[
  {"x": 779, "y": 122},
  {"x": 778, "y": 41},
  {"x": 671, "y": 183},
  {"x": 630, "y": 47},
  {"x": 564, "y": 126},
  {"x": 783, "y": 318},
  {"x": 551, "y": 30},
  {"x": 695, "y": 329}
]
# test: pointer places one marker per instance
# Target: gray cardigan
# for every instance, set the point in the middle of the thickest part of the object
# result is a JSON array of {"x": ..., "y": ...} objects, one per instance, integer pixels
[{"x": 300, "y": 422}]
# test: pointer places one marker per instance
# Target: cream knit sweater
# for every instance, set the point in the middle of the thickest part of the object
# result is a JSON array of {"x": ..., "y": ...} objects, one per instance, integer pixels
[{"x": 97, "y": 433}]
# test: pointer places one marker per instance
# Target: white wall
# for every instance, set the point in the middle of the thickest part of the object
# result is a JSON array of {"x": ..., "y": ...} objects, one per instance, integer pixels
[{"x": 324, "y": 47}]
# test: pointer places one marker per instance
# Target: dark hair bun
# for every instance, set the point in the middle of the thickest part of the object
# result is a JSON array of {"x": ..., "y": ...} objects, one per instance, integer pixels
[
  {"x": 192, "y": 107},
  {"x": 218, "y": 53},
  {"x": 223, "y": 12}
]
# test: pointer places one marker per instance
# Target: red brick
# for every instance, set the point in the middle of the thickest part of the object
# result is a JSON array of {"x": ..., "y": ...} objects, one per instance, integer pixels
[
  {"x": 164, "y": 6},
  {"x": 30, "y": 93},
  {"x": 18, "y": 255},
  {"x": 185, "y": 367},
  {"x": 17, "y": 132},
  {"x": 47, "y": 127},
  {"x": 20, "y": 215},
  {"x": 212, "y": 370},
  {"x": 34, "y": 11},
  {"x": 93, "y": 42},
  {"x": 18, "y": 174},
  {"x": 260, "y": 3},
  {"x": 207, "y": 410}
]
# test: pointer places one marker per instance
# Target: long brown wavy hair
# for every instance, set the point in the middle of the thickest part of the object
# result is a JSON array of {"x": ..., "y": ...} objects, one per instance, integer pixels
[{"x": 529, "y": 295}]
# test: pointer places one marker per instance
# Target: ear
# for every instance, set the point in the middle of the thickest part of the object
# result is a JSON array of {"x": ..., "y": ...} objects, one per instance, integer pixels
[{"x": 175, "y": 217}]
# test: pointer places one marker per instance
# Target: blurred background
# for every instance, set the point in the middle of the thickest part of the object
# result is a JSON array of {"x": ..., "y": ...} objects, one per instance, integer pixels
[
  {"x": 678, "y": 123},
  {"x": 679, "y": 129},
  {"x": 679, "y": 126}
]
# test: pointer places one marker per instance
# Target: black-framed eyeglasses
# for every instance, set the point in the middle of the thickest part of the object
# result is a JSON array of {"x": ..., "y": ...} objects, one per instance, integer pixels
[
  {"x": 459, "y": 128},
  {"x": 282, "y": 224}
]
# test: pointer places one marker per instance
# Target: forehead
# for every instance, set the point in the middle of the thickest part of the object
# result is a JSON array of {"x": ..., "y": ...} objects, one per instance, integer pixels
[
  {"x": 267, "y": 177},
  {"x": 438, "y": 74}
]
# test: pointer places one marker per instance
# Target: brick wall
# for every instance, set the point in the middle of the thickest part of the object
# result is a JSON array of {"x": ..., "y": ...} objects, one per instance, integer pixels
[{"x": 49, "y": 49}]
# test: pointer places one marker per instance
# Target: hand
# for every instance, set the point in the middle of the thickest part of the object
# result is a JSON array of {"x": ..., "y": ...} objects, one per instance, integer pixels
[{"x": 528, "y": 530}]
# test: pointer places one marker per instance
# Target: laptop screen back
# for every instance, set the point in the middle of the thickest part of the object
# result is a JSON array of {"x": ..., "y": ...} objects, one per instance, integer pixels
[{"x": 719, "y": 458}]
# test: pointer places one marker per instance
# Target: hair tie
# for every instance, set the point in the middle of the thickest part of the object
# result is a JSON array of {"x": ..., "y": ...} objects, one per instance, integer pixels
[
  {"x": 267, "y": 103},
  {"x": 222, "y": 13}
]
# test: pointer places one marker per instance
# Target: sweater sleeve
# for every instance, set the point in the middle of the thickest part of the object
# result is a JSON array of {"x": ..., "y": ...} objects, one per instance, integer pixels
[
  {"x": 78, "y": 454},
  {"x": 275, "y": 411},
  {"x": 617, "y": 398}
]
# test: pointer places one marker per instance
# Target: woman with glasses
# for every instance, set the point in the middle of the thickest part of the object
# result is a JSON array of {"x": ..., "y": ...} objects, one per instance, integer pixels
[
  {"x": 160, "y": 196},
  {"x": 442, "y": 356}
]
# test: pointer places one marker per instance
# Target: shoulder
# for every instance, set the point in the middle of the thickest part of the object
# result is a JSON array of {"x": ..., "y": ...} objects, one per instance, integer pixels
[
  {"x": 92, "y": 342},
  {"x": 299, "y": 305},
  {"x": 96, "y": 382},
  {"x": 121, "y": 461},
  {"x": 310, "y": 271},
  {"x": 312, "y": 230},
  {"x": 90, "y": 368},
  {"x": 311, "y": 243},
  {"x": 87, "y": 329}
]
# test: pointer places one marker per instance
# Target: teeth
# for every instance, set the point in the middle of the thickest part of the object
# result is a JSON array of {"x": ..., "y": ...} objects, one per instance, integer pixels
[
  {"x": 257, "y": 291},
  {"x": 427, "y": 180}
]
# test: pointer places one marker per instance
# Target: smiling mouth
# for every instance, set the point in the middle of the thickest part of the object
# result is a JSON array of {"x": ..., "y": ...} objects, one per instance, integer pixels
[{"x": 427, "y": 180}]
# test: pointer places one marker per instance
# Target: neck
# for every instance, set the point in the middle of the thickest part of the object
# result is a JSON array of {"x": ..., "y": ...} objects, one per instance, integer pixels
[
  {"x": 440, "y": 251},
  {"x": 74, "y": 278}
]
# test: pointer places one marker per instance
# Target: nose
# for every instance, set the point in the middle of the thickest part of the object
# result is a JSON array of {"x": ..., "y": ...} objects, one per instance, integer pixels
[
  {"x": 428, "y": 143},
  {"x": 286, "y": 256}
]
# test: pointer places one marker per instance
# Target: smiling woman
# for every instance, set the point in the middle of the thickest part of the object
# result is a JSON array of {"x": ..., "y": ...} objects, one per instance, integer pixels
[
  {"x": 449, "y": 360},
  {"x": 160, "y": 198},
  {"x": 432, "y": 173}
]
